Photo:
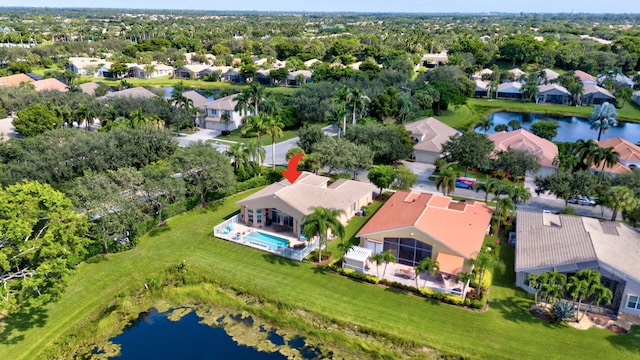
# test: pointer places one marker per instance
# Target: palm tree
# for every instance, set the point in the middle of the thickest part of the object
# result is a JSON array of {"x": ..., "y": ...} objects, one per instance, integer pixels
[
  {"x": 386, "y": 257},
  {"x": 504, "y": 207},
  {"x": 487, "y": 258},
  {"x": 578, "y": 289},
  {"x": 357, "y": 102},
  {"x": 464, "y": 278},
  {"x": 601, "y": 294},
  {"x": 588, "y": 152},
  {"x": 319, "y": 222},
  {"x": 341, "y": 98},
  {"x": 603, "y": 117},
  {"x": 553, "y": 288},
  {"x": 377, "y": 258},
  {"x": 518, "y": 193},
  {"x": 254, "y": 124},
  {"x": 237, "y": 152},
  {"x": 492, "y": 186},
  {"x": 576, "y": 89},
  {"x": 273, "y": 127},
  {"x": 501, "y": 127},
  {"x": 446, "y": 180},
  {"x": 256, "y": 96},
  {"x": 535, "y": 282},
  {"x": 137, "y": 119},
  {"x": 514, "y": 124},
  {"x": 619, "y": 198},
  {"x": 243, "y": 102},
  {"x": 485, "y": 124},
  {"x": 255, "y": 150},
  {"x": 429, "y": 265},
  {"x": 225, "y": 118},
  {"x": 609, "y": 157},
  {"x": 530, "y": 88},
  {"x": 84, "y": 113}
]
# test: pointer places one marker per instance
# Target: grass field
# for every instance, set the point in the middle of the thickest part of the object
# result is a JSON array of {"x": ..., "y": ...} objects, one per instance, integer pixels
[
  {"x": 264, "y": 140},
  {"x": 506, "y": 331}
]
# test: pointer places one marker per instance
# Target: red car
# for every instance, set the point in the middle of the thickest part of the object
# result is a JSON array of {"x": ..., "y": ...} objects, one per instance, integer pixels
[{"x": 465, "y": 182}]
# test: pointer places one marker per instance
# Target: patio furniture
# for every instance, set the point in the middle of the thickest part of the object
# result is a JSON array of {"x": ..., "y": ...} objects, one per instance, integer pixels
[{"x": 406, "y": 273}]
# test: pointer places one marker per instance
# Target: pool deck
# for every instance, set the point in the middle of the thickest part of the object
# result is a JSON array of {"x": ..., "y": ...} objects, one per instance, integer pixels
[{"x": 235, "y": 231}]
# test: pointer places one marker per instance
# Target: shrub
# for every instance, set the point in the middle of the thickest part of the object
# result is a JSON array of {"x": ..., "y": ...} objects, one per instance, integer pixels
[{"x": 562, "y": 310}]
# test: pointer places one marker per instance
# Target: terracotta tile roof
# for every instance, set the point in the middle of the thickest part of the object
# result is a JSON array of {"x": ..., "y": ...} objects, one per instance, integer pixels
[
  {"x": 14, "y": 80},
  {"x": 615, "y": 169},
  {"x": 137, "y": 93},
  {"x": 50, "y": 84},
  {"x": 628, "y": 151},
  {"x": 523, "y": 140},
  {"x": 431, "y": 134},
  {"x": 597, "y": 89},
  {"x": 551, "y": 87},
  {"x": 461, "y": 229},
  {"x": 584, "y": 77}
]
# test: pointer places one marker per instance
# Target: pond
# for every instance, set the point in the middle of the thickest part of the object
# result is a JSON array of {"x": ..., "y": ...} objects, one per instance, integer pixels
[
  {"x": 158, "y": 335},
  {"x": 208, "y": 93},
  {"x": 571, "y": 128}
]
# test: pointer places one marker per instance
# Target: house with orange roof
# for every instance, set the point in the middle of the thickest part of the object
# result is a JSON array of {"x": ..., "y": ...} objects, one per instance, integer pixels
[
  {"x": 50, "y": 84},
  {"x": 629, "y": 154},
  {"x": 15, "y": 80},
  {"x": 429, "y": 134},
  {"x": 587, "y": 79},
  {"x": 417, "y": 225},
  {"x": 523, "y": 140}
]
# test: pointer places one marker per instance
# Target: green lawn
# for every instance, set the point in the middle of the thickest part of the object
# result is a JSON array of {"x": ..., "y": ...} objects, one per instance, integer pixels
[
  {"x": 264, "y": 140},
  {"x": 506, "y": 331},
  {"x": 461, "y": 118}
]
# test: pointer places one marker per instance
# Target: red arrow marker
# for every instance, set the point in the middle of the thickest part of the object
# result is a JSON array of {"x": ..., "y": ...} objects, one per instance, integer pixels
[{"x": 292, "y": 172}]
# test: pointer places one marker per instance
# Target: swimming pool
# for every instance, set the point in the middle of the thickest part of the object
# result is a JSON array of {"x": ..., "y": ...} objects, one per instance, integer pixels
[{"x": 273, "y": 242}]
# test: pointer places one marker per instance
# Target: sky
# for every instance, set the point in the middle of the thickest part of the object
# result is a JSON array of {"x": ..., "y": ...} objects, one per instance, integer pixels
[{"x": 412, "y": 6}]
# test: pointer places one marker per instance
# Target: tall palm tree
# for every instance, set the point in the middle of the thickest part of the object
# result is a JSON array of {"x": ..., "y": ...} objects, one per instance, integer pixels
[
  {"x": 609, "y": 157},
  {"x": 446, "y": 180},
  {"x": 387, "y": 257},
  {"x": 464, "y": 278},
  {"x": 504, "y": 207},
  {"x": 341, "y": 99},
  {"x": 492, "y": 186},
  {"x": 84, "y": 113},
  {"x": 429, "y": 265},
  {"x": 256, "y": 96},
  {"x": 337, "y": 116},
  {"x": 535, "y": 282},
  {"x": 485, "y": 124},
  {"x": 553, "y": 288},
  {"x": 225, "y": 118},
  {"x": 377, "y": 258},
  {"x": 254, "y": 124},
  {"x": 237, "y": 152},
  {"x": 255, "y": 150},
  {"x": 603, "y": 117},
  {"x": 319, "y": 222},
  {"x": 357, "y": 102},
  {"x": 487, "y": 258},
  {"x": 243, "y": 103},
  {"x": 588, "y": 152},
  {"x": 530, "y": 88},
  {"x": 518, "y": 193},
  {"x": 578, "y": 289},
  {"x": 273, "y": 127},
  {"x": 576, "y": 89}
]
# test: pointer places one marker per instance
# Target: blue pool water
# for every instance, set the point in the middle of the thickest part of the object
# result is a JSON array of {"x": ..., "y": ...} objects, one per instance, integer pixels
[{"x": 271, "y": 241}]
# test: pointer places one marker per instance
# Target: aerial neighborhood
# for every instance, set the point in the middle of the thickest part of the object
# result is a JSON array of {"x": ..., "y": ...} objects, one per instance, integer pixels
[{"x": 369, "y": 185}]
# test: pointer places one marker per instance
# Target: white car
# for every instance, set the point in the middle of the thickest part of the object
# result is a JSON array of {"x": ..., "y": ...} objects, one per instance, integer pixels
[{"x": 582, "y": 200}]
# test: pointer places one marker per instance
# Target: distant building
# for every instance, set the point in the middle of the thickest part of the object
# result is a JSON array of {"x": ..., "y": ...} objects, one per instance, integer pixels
[{"x": 429, "y": 134}]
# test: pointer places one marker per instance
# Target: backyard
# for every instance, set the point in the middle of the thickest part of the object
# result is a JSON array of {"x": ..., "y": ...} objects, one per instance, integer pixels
[{"x": 507, "y": 330}]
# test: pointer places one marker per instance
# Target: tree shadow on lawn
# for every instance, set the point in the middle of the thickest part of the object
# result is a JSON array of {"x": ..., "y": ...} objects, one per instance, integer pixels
[
  {"x": 96, "y": 259},
  {"x": 159, "y": 230},
  {"x": 275, "y": 259},
  {"x": 19, "y": 322},
  {"x": 514, "y": 309},
  {"x": 629, "y": 341}
]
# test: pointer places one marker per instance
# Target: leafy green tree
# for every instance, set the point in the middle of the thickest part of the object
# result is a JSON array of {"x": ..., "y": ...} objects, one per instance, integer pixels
[
  {"x": 382, "y": 176},
  {"x": 468, "y": 150},
  {"x": 405, "y": 178},
  {"x": 308, "y": 136},
  {"x": 255, "y": 124},
  {"x": 35, "y": 119},
  {"x": 319, "y": 222},
  {"x": 447, "y": 181},
  {"x": 204, "y": 169},
  {"x": 491, "y": 186},
  {"x": 256, "y": 151},
  {"x": 609, "y": 157},
  {"x": 619, "y": 198},
  {"x": 161, "y": 187},
  {"x": 389, "y": 143},
  {"x": 42, "y": 240},
  {"x": 602, "y": 118},
  {"x": 239, "y": 156},
  {"x": 546, "y": 129},
  {"x": 514, "y": 124},
  {"x": 504, "y": 207},
  {"x": 588, "y": 152},
  {"x": 118, "y": 69},
  {"x": 343, "y": 154},
  {"x": 517, "y": 163}
]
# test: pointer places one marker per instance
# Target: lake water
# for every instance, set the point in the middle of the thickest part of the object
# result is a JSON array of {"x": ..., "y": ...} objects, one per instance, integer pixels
[
  {"x": 571, "y": 128},
  {"x": 154, "y": 336}
]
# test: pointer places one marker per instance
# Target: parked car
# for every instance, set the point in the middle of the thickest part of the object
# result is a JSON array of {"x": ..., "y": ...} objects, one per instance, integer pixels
[
  {"x": 582, "y": 200},
  {"x": 465, "y": 182}
]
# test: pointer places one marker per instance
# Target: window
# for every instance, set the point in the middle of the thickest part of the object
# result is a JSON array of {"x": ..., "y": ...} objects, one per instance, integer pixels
[
  {"x": 633, "y": 302},
  {"x": 259, "y": 216},
  {"x": 408, "y": 251},
  {"x": 353, "y": 207},
  {"x": 250, "y": 215}
]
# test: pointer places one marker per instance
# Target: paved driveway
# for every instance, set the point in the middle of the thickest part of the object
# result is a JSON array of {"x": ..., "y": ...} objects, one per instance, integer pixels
[{"x": 6, "y": 129}]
